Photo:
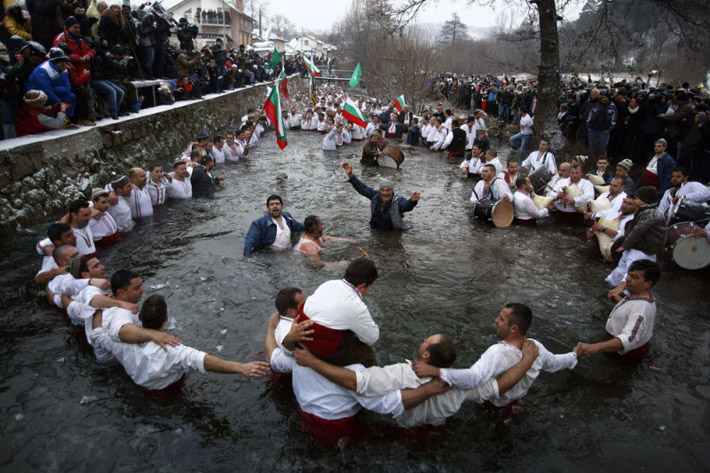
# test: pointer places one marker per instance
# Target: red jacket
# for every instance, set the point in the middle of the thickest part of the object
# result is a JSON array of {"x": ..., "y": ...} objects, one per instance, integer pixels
[
  {"x": 79, "y": 72},
  {"x": 26, "y": 121}
]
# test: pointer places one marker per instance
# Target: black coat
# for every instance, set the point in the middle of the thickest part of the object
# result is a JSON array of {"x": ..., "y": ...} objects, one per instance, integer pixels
[{"x": 202, "y": 184}]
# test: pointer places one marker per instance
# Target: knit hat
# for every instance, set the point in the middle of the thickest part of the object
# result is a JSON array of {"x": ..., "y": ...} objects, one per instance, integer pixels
[
  {"x": 74, "y": 267},
  {"x": 71, "y": 21},
  {"x": 648, "y": 194},
  {"x": 626, "y": 164},
  {"x": 386, "y": 184},
  {"x": 98, "y": 192},
  {"x": 119, "y": 181},
  {"x": 35, "y": 98},
  {"x": 203, "y": 135}
]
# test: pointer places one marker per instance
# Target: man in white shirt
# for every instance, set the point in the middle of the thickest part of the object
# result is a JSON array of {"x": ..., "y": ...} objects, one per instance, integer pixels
[
  {"x": 562, "y": 173},
  {"x": 567, "y": 206},
  {"x": 66, "y": 283},
  {"x": 344, "y": 330},
  {"x": 180, "y": 186},
  {"x": 139, "y": 199},
  {"x": 470, "y": 129},
  {"x": 526, "y": 133},
  {"x": 153, "y": 367},
  {"x": 328, "y": 411},
  {"x": 541, "y": 157},
  {"x": 230, "y": 148},
  {"x": 526, "y": 213},
  {"x": 294, "y": 119},
  {"x": 330, "y": 139},
  {"x": 218, "y": 150},
  {"x": 473, "y": 166},
  {"x": 513, "y": 323},
  {"x": 157, "y": 184},
  {"x": 120, "y": 209},
  {"x": 58, "y": 234},
  {"x": 273, "y": 230},
  {"x": 630, "y": 325},
  {"x": 615, "y": 196},
  {"x": 79, "y": 218},
  {"x": 492, "y": 158},
  {"x": 436, "y": 350},
  {"x": 691, "y": 191},
  {"x": 490, "y": 186},
  {"x": 89, "y": 267},
  {"x": 103, "y": 226}
]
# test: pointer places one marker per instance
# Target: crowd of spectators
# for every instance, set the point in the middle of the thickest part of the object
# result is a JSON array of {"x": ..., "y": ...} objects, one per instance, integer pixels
[
  {"x": 71, "y": 64},
  {"x": 617, "y": 120}
]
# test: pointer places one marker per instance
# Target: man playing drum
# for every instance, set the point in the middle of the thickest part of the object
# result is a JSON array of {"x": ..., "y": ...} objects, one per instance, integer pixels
[
  {"x": 682, "y": 188},
  {"x": 490, "y": 187}
]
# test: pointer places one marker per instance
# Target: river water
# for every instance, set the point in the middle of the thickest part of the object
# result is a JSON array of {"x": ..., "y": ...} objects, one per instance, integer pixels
[{"x": 63, "y": 411}]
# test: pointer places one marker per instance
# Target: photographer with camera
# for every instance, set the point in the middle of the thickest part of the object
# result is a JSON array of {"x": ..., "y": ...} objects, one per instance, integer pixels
[{"x": 186, "y": 33}]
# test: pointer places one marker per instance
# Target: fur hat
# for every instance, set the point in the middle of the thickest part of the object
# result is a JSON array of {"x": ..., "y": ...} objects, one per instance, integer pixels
[
  {"x": 70, "y": 21},
  {"x": 35, "y": 98},
  {"x": 648, "y": 194}
]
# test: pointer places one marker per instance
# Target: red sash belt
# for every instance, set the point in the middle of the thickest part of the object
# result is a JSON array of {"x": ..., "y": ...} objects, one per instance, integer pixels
[
  {"x": 456, "y": 154},
  {"x": 329, "y": 431},
  {"x": 109, "y": 239},
  {"x": 326, "y": 341},
  {"x": 650, "y": 178},
  {"x": 390, "y": 135},
  {"x": 524, "y": 222},
  {"x": 635, "y": 354}
]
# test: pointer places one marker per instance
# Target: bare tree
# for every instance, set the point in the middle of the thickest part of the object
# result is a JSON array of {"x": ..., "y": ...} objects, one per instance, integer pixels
[{"x": 453, "y": 30}]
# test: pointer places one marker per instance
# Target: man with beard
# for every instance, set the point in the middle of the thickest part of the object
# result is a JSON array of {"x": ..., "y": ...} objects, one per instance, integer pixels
[
  {"x": 273, "y": 231},
  {"x": 180, "y": 185},
  {"x": 370, "y": 151}
]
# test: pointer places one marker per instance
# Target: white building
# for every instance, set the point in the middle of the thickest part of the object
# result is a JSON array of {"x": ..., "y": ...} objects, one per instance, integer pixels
[{"x": 215, "y": 19}]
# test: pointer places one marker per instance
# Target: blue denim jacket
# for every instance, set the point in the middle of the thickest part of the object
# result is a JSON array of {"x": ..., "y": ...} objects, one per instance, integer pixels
[{"x": 262, "y": 232}]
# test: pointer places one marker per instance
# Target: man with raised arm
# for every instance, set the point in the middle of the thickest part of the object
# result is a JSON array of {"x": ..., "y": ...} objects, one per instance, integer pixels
[{"x": 387, "y": 208}]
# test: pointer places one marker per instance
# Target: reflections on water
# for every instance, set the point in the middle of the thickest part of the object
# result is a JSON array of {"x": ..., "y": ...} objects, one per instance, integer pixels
[{"x": 449, "y": 274}]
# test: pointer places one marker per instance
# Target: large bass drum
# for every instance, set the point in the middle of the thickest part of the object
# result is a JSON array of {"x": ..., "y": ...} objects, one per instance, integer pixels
[
  {"x": 539, "y": 179},
  {"x": 687, "y": 211},
  {"x": 392, "y": 157},
  {"x": 499, "y": 212},
  {"x": 688, "y": 251}
]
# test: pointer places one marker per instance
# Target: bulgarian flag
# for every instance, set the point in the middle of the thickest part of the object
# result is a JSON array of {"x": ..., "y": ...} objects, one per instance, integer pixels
[
  {"x": 399, "y": 103},
  {"x": 354, "y": 114},
  {"x": 272, "y": 107},
  {"x": 284, "y": 85},
  {"x": 311, "y": 67}
]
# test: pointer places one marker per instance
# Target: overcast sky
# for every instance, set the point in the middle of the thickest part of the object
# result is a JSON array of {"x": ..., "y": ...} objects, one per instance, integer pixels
[{"x": 322, "y": 14}]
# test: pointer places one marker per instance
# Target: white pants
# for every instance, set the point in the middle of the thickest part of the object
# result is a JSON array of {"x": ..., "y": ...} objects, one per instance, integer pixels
[{"x": 617, "y": 276}]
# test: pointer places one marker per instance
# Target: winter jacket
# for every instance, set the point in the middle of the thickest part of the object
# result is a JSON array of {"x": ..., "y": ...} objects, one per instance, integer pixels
[
  {"x": 47, "y": 78},
  {"x": 606, "y": 123},
  {"x": 80, "y": 72},
  {"x": 647, "y": 231}
]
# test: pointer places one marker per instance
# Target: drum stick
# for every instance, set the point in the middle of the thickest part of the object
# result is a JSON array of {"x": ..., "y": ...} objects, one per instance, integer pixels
[{"x": 363, "y": 253}]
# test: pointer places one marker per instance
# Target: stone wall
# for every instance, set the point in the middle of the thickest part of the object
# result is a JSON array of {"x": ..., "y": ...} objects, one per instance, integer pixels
[{"x": 40, "y": 174}]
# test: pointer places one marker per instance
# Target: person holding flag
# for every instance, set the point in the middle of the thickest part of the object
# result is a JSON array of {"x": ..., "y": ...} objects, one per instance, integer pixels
[
  {"x": 272, "y": 107},
  {"x": 399, "y": 103}
]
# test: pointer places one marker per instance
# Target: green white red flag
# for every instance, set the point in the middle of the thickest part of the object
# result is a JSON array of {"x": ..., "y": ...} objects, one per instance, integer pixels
[
  {"x": 353, "y": 113},
  {"x": 272, "y": 107},
  {"x": 312, "y": 68},
  {"x": 399, "y": 103},
  {"x": 284, "y": 85}
]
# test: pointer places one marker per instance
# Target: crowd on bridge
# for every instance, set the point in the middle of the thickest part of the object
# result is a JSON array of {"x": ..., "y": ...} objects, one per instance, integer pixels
[
  {"x": 326, "y": 339},
  {"x": 70, "y": 64}
]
